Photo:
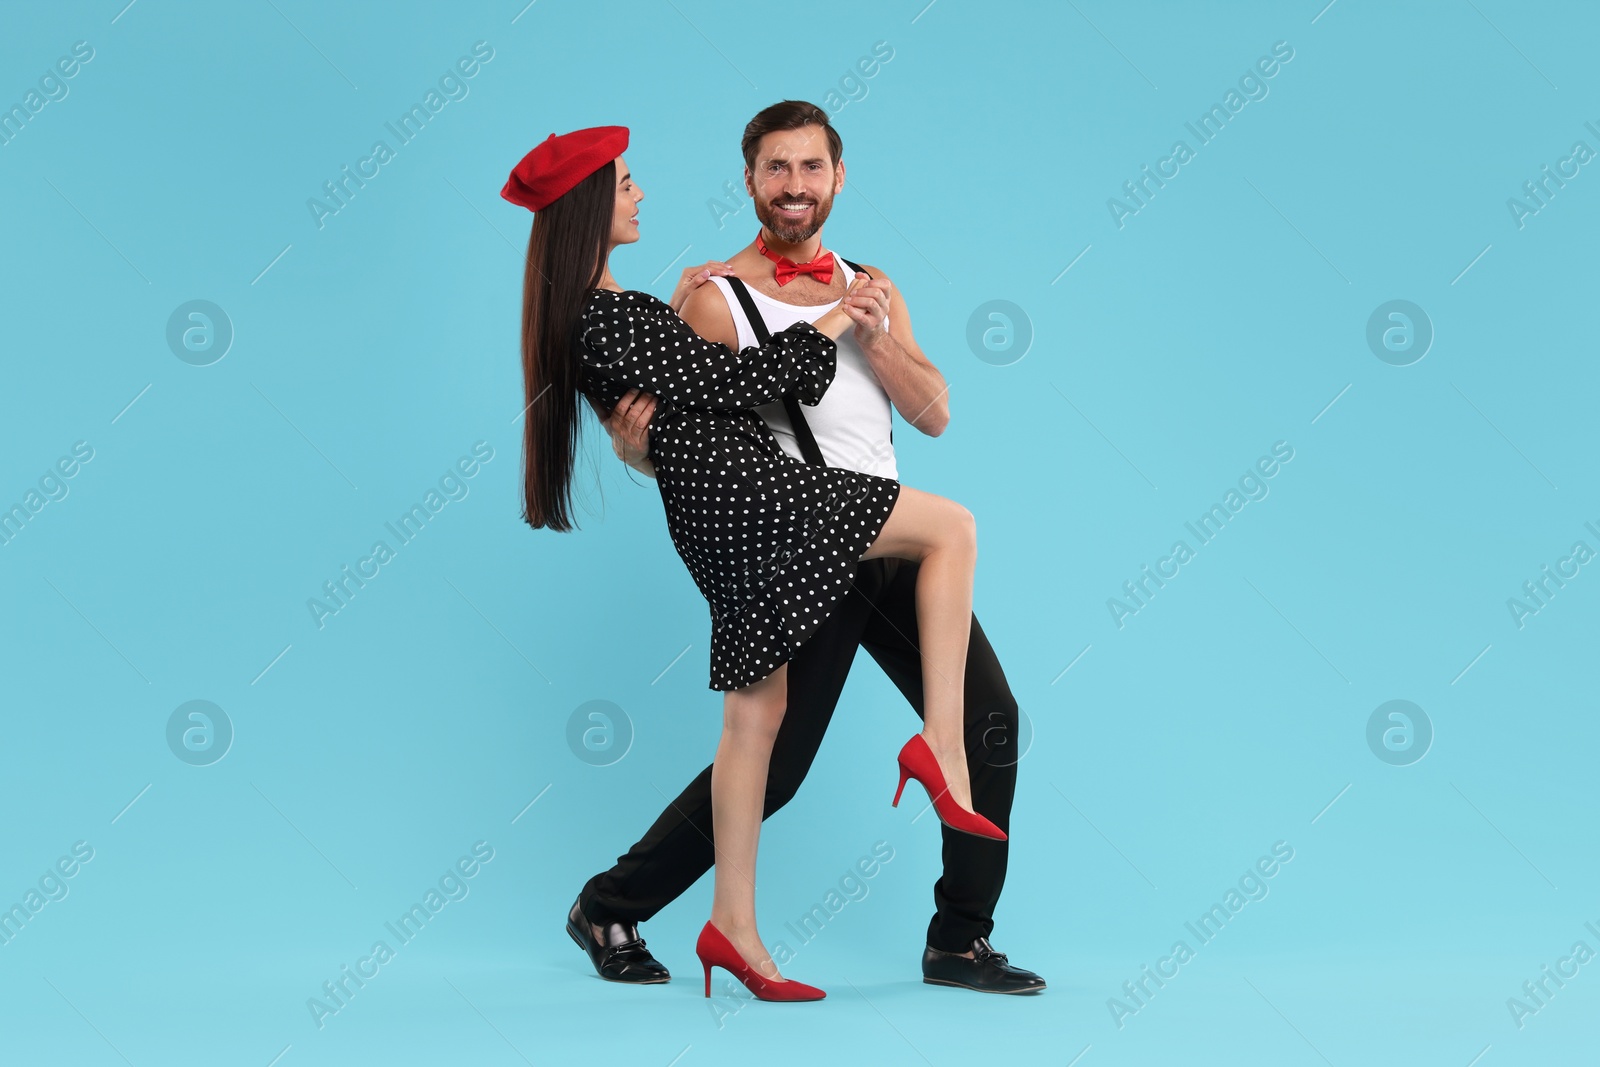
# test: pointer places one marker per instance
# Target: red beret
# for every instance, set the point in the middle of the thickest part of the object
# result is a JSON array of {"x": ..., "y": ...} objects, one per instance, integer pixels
[{"x": 555, "y": 167}]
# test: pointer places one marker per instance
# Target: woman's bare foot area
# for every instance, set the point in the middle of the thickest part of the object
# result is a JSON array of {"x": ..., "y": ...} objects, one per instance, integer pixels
[{"x": 953, "y": 765}]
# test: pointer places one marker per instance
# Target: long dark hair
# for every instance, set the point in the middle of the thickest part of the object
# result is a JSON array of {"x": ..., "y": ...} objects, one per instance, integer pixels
[{"x": 566, "y": 259}]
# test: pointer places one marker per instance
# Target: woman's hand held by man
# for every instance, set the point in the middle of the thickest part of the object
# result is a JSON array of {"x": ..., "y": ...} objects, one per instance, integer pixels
[
  {"x": 835, "y": 321},
  {"x": 868, "y": 308}
]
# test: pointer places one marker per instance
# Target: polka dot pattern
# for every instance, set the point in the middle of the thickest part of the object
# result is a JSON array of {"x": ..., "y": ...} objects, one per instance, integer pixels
[{"x": 771, "y": 542}]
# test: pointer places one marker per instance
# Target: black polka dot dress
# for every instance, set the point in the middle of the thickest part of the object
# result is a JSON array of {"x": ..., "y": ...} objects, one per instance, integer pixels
[{"x": 772, "y": 542}]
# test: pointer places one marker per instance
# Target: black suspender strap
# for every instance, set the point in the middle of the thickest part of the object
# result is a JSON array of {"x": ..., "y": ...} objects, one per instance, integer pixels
[{"x": 758, "y": 325}]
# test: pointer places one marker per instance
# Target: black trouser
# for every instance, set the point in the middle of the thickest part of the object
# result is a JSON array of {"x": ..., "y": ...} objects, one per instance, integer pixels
[{"x": 880, "y": 615}]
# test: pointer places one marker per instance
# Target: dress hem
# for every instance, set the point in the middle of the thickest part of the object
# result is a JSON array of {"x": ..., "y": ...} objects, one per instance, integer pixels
[{"x": 840, "y": 586}]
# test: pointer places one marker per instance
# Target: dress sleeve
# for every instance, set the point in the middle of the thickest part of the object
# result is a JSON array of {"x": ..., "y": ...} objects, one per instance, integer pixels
[{"x": 636, "y": 340}]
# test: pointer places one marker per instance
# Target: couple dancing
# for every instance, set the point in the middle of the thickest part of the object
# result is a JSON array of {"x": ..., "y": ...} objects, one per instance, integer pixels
[{"x": 792, "y": 524}]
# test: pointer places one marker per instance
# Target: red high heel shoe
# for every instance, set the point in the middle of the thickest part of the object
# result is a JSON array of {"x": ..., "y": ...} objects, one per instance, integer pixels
[
  {"x": 918, "y": 761},
  {"x": 715, "y": 950}
]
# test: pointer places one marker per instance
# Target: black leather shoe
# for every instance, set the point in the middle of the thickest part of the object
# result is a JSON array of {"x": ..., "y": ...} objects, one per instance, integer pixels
[
  {"x": 987, "y": 971},
  {"x": 622, "y": 957}
]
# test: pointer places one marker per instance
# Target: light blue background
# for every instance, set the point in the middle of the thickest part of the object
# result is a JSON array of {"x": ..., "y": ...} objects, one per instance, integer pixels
[{"x": 369, "y": 354}]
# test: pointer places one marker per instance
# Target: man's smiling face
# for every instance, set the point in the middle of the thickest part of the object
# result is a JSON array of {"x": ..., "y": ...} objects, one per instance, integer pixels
[{"x": 794, "y": 182}]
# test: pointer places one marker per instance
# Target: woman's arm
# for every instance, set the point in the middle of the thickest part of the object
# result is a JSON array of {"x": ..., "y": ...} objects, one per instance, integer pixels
[
  {"x": 638, "y": 341},
  {"x": 648, "y": 347}
]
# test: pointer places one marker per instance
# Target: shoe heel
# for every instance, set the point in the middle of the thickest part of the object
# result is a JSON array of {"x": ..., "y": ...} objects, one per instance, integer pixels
[
  {"x": 905, "y": 776},
  {"x": 714, "y": 949}
]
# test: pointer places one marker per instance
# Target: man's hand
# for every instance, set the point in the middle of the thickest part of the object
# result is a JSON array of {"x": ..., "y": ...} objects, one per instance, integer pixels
[
  {"x": 694, "y": 277},
  {"x": 629, "y": 427},
  {"x": 915, "y": 387},
  {"x": 867, "y": 305}
]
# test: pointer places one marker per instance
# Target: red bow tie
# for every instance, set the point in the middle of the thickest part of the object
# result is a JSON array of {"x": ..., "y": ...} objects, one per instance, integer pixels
[{"x": 787, "y": 270}]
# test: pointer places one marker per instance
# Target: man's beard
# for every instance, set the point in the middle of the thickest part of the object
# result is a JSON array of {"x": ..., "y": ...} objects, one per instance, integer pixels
[{"x": 788, "y": 230}]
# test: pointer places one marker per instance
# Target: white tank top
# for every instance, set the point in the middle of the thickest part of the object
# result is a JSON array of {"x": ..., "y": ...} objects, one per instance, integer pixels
[{"x": 852, "y": 424}]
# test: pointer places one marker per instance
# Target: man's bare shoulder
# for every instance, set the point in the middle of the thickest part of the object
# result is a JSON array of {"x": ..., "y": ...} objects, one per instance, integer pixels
[{"x": 706, "y": 311}]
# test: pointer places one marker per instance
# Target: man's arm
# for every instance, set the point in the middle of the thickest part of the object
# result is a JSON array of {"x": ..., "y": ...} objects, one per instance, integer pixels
[
  {"x": 915, "y": 387},
  {"x": 629, "y": 429}
]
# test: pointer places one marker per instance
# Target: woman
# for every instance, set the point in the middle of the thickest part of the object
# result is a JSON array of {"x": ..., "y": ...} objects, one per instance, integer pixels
[{"x": 771, "y": 542}]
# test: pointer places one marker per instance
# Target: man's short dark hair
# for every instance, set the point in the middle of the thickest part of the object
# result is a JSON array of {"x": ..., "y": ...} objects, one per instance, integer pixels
[{"x": 787, "y": 115}]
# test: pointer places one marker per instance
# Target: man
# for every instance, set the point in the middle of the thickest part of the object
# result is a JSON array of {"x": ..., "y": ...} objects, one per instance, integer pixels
[{"x": 793, "y": 171}]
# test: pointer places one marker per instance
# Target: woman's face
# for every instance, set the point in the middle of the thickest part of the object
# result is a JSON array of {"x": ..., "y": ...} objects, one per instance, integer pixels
[{"x": 624, "y": 216}]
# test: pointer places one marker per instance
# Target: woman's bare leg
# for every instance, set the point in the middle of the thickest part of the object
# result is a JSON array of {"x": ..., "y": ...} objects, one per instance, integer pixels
[
  {"x": 942, "y": 537},
  {"x": 750, "y": 720}
]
